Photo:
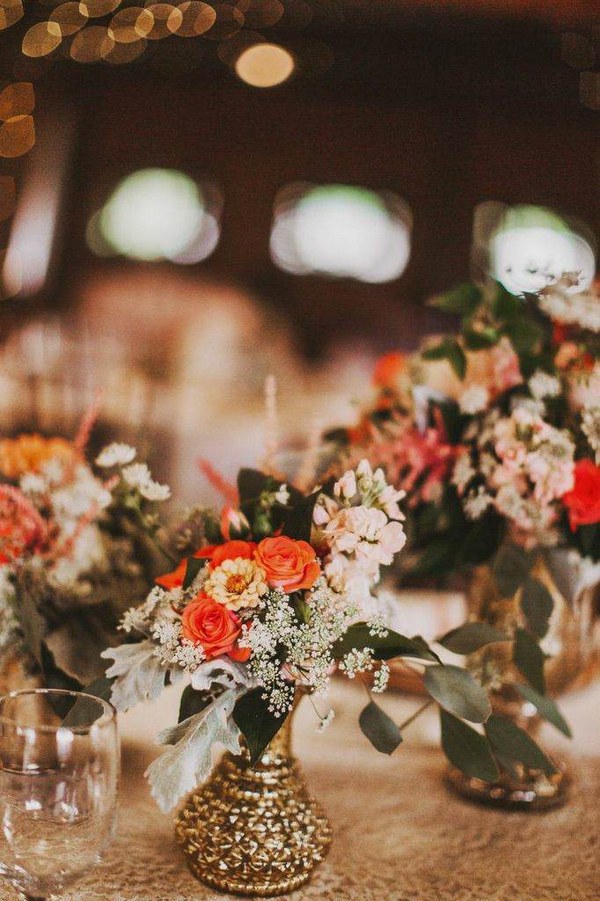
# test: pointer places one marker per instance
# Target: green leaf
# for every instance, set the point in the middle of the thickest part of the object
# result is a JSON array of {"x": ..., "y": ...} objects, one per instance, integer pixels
[
  {"x": 480, "y": 339},
  {"x": 510, "y": 568},
  {"x": 537, "y": 605},
  {"x": 511, "y": 742},
  {"x": 529, "y": 659},
  {"x": 30, "y": 619},
  {"x": 193, "y": 567},
  {"x": 100, "y": 688},
  {"x": 393, "y": 644},
  {"x": 456, "y": 691},
  {"x": 506, "y": 307},
  {"x": 450, "y": 350},
  {"x": 193, "y": 702},
  {"x": 462, "y": 300},
  {"x": 79, "y": 713},
  {"x": 251, "y": 483},
  {"x": 481, "y": 539},
  {"x": 466, "y": 749},
  {"x": 380, "y": 729},
  {"x": 257, "y": 724},
  {"x": 298, "y": 521},
  {"x": 546, "y": 708},
  {"x": 470, "y": 637}
]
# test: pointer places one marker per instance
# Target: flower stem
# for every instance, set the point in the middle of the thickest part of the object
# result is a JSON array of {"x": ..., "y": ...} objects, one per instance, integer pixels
[{"x": 414, "y": 716}]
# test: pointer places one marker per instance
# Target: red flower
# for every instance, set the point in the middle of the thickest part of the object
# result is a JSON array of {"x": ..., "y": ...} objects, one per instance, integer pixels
[
  {"x": 22, "y": 529},
  {"x": 583, "y": 501},
  {"x": 217, "y": 629}
]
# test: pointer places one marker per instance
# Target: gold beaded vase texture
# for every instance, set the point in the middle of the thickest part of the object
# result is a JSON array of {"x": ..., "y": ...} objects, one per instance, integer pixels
[
  {"x": 253, "y": 829},
  {"x": 569, "y": 646}
]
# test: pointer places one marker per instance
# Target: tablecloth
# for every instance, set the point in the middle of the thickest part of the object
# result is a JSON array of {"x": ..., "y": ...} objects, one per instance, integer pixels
[{"x": 399, "y": 833}]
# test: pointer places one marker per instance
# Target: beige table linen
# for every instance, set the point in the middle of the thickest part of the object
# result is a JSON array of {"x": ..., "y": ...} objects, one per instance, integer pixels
[{"x": 399, "y": 834}]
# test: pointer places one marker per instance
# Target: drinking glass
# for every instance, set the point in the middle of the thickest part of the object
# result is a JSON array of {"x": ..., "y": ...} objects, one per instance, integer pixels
[{"x": 59, "y": 772}]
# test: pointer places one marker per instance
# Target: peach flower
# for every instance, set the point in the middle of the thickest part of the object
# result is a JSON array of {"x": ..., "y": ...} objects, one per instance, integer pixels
[
  {"x": 28, "y": 453},
  {"x": 288, "y": 564},
  {"x": 216, "y": 629}
]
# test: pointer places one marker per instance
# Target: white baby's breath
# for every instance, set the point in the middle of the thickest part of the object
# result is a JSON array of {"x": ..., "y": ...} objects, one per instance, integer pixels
[{"x": 115, "y": 454}]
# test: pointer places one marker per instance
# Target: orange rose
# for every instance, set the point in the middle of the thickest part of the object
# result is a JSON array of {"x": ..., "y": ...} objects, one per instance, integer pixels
[
  {"x": 288, "y": 564},
  {"x": 216, "y": 553},
  {"x": 583, "y": 501},
  {"x": 214, "y": 627},
  {"x": 228, "y": 551}
]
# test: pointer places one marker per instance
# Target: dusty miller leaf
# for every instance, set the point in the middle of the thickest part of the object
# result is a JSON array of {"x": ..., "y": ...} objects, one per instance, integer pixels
[
  {"x": 139, "y": 674},
  {"x": 189, "y": 761}
]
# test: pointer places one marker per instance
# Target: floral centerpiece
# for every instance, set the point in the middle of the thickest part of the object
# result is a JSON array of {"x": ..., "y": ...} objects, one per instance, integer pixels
[
  {"x": 73, "y": 550},
  {"x": 279, "y": 600},
  {"x": 494, "y": 432}
]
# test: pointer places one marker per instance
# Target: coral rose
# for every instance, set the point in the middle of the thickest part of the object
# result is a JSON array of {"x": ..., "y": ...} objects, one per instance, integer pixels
[
  {"x": 583, "y": 501},
  {"x": 231, "y": 550},
  {"x": 288, "y": 564},
  {"x": 216, "y": 629},
  {"x": 216, "y": 553}
]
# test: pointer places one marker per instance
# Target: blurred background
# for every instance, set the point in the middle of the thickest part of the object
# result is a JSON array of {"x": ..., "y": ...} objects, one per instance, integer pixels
[{"x": 195, "y": 195}]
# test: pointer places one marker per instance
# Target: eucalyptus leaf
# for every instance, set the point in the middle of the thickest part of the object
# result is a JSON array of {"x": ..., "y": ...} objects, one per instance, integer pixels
[
  {"x": 189, "y": 762},
  {"x": 537, "y": 605},
  {"x": 529, "y": 659},
  {"x": 466, "y": 749},
  {"x": 510, "y": 568},
  {"x": 468, "y": 638},
  {"x": 139, "y": 674},
  {"x": 458, "y": 692},
  {"x": 359, "y": 636},
  {"x": 251, "y": 483},
  {"x": 511, "y": 742},
  {"x": 480, "y": 339},
  {"x": 462, "y": 300},
  {"x": 256, "y": 722},
  {"x": 379, "y": 728},
  {"x": 546, "y": 708},
  {"x": 448, "y": 349}
]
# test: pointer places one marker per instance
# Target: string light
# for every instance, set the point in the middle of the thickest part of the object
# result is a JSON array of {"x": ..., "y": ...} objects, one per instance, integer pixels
[{"x": 265, "y": 65}]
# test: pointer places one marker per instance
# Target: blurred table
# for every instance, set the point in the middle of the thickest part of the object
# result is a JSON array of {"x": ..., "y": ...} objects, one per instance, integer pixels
[{"x": 399, "y": 835}]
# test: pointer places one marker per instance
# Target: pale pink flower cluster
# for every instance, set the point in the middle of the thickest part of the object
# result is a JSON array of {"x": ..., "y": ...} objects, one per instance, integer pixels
[
  {"x": 489, "y": 374},
  {"x": 361, "y": 528},
  {"x": 526, "y": 464}
]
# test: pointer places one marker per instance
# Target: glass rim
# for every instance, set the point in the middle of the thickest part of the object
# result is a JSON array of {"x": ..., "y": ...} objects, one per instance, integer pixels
[{"x": 108, "y": 715}]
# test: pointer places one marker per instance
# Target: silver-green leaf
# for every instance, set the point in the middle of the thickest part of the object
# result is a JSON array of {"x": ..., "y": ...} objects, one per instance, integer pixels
[{"x": 458, "y": 692}]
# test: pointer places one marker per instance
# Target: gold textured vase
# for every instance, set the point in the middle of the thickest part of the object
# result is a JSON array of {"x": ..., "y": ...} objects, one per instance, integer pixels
[
  {"x": 253, "y": 829},
  {"x": 569, "y": 647}
]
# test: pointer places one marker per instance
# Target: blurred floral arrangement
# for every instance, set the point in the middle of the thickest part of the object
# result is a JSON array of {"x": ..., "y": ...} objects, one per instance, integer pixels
[
  {"x": 494, "y": 435},
  {"x": 494, "y": 431},
  {"x": 277, "y": 596},
  {"x": 75, "y": 548}
]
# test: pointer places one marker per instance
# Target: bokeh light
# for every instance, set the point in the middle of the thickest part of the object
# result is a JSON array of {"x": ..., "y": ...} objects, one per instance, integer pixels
[
  {"x": 70, "y": 17},
  {"x": 341, "y": 231},
  {"x": 191, "y": 19},
  {"x": 41, "y": 39},
  {"x": 532, "y": 246},
  {"x": 264, "y": 65},
  {"x": 10, "y": 12},
  {"x": 157, "y": 214},
  {"x": 17, "y": 136},
  {"x": 97, "y": 8}
]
